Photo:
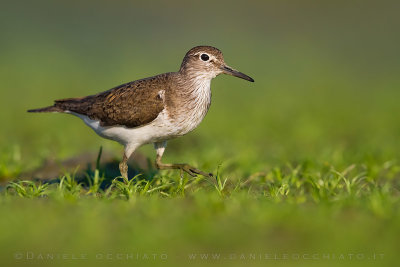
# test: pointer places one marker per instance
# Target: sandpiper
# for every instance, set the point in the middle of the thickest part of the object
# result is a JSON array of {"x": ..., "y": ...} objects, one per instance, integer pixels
[{"x": 154, "y": 109}]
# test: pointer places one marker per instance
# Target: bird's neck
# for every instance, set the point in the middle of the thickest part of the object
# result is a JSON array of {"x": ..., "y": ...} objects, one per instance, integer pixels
[
  {"x": 201, "y": 90},
  {"x": 197, "y": 86}
]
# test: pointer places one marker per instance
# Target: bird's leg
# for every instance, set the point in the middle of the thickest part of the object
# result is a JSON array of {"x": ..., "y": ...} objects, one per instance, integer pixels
[
  {"x": 192, "y": 171},
  {"x": 123, "y": 167}
]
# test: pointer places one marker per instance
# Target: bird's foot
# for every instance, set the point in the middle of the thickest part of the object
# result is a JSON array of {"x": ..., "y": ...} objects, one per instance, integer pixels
[{"x": 192, "y": 171}]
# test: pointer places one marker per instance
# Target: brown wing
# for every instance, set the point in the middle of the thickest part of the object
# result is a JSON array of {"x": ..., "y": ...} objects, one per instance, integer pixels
[{"x": 132, "y": 104}]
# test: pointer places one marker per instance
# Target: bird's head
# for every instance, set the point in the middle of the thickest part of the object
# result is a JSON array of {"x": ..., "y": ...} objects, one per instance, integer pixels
[{"x": 208, "y": 61}]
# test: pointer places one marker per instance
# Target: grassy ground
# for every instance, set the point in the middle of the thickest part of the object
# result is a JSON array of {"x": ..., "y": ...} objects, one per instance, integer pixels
[
  {"x": 307, "y": 157},
  {"x": 290, "y": 215}
]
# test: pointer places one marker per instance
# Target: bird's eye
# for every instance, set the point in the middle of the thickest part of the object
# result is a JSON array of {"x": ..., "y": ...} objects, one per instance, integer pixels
[{"x": 204, "y": 57}]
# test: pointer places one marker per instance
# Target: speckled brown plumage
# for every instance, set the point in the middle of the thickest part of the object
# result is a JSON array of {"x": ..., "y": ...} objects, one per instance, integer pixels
[{"x": 132, "y": 104}]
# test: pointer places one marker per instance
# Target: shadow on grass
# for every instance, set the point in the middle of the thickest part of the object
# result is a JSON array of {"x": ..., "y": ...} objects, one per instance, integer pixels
[{"x": 83, "y": 167}]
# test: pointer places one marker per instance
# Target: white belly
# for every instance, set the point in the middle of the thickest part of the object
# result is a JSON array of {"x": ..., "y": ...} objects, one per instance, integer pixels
[{"x": 158, "y": 130}]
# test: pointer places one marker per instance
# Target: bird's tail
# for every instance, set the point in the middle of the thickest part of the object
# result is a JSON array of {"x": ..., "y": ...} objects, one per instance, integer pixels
[{"x": 47, "y": 109}]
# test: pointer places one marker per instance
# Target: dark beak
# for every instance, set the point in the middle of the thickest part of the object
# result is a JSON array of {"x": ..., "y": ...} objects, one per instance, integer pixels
[{"x": 230, "y": 71}]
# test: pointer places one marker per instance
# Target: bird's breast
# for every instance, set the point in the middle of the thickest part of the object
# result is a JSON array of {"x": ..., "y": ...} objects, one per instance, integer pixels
[{"x": 193, "y": 107}]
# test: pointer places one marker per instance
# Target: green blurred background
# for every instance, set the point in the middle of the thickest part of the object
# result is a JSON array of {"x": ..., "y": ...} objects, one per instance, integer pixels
[
  {"x": 326, "y": 78},
  {"x": 326, "y": 74}
]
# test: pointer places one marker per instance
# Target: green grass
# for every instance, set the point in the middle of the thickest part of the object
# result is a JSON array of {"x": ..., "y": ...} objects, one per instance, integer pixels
[
  {"x": 307, "y": 157},
  {"x": 295, "y": 210}
]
